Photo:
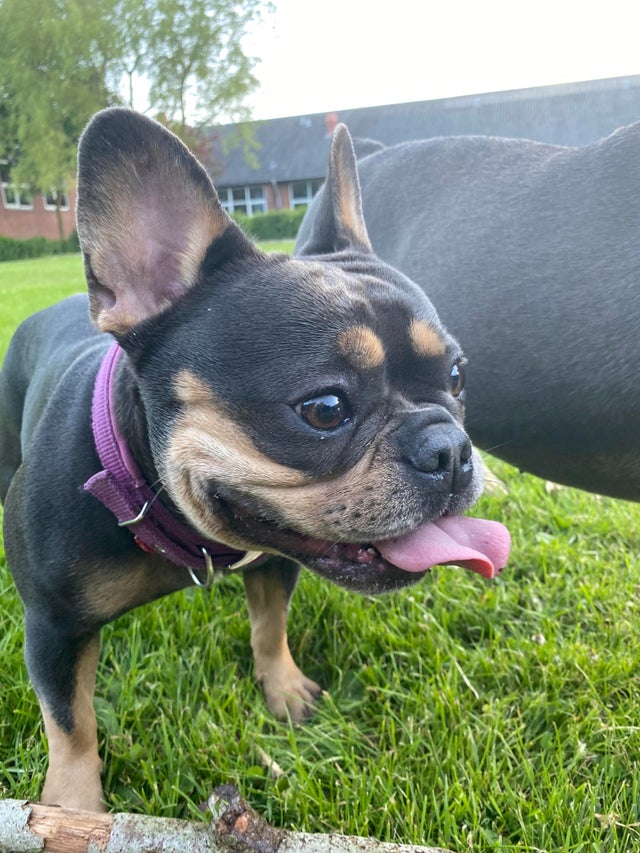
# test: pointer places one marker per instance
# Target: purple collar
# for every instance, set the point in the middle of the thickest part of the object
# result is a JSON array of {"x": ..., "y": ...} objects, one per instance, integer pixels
[{"x": 121, "y": 487}]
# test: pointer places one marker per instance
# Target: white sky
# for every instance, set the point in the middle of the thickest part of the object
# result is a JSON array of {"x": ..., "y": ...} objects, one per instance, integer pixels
[{"x": 324, "y": 55}]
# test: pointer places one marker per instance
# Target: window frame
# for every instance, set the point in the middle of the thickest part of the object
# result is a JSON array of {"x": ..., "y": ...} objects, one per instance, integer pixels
[
  {"x": 245, "y": 204},
  {"x": 307, "y": 198},
  {"x": 53, "y": 193},
  {"x": 18, "y": 192}
]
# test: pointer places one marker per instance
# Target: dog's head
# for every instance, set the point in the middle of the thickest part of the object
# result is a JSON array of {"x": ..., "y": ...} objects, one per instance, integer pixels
[{"x": 307, "y": 406}]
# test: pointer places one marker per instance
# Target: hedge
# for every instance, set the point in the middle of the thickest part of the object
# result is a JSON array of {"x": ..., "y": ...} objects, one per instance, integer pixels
[
  {"x": 36, "y": 247},
  {"x": 276, "y": 225}
]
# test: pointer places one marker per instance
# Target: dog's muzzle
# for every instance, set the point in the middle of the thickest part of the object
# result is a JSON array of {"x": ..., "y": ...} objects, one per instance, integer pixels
[{"x": 437, "y": 448}]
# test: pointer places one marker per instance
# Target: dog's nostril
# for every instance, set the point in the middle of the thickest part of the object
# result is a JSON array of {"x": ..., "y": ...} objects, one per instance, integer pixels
[
  {"x": 441, "y": 454},
  {"x": 434, "y": 445},
  {"x": 463, "y": 474},
  {"x": 431, "y": 454},
  {"x": 443, "y": 462}
]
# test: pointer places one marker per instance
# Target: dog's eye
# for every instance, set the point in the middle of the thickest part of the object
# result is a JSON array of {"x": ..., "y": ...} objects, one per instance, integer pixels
[
  {"x": 326, "y": 412},
  {"x": 456, "y": 379}
]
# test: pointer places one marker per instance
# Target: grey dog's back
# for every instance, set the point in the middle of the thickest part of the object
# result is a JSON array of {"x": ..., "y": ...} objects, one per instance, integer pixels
[{"x": 531, "y": 254}]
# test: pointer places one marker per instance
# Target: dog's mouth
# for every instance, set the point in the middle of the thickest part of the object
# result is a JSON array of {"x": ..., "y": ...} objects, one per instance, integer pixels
[
  {"x": 373, "y": 567},
  {"x": 479, "y": 545}
]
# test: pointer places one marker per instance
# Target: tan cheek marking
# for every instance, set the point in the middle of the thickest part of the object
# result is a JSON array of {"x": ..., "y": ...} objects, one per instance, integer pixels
[
  {"x": 207, "y": 445},
  {"x": 191, "y": 390},
  {"x": 208, "y": 434},
  {"x": 361, "y": 347},
  {"x": 426, "y": 340}
]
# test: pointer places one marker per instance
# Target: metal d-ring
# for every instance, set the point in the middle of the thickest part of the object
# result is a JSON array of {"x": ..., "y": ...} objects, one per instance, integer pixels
[
  {"x": 214, "y": 574},
  {"x": 129, "y": 522},
  {"x": 211, "y": 572}
]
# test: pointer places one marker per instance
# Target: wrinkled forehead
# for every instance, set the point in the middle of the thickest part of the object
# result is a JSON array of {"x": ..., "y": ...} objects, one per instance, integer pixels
[
  {"x": 284, "y": 327},
  {"x": 372, "y": 307}
]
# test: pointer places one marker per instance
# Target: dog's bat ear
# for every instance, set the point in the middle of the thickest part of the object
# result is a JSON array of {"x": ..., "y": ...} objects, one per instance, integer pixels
[
  {"x": 339, "y": 224},
  {"x": 147, "y": 216}
]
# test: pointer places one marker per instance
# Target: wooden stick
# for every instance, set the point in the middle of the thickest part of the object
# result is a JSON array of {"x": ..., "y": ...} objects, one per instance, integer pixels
[{"x": 31, "y": 828}]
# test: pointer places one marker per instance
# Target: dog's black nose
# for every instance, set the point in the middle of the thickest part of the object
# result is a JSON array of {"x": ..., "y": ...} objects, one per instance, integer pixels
[{"x": 434, "y": 445}]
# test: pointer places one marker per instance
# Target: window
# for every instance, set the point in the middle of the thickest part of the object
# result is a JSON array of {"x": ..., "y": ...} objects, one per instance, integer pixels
[
  {"x": 301, "y": 192},
  {"x": 247, "y": 200},
  {"x": 16, "y": 196},
  {"x": 53, "y": 197}
]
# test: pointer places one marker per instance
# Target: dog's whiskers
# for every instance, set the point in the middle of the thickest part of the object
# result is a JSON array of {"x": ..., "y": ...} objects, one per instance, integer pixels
[{"x": 493, "y": 448}]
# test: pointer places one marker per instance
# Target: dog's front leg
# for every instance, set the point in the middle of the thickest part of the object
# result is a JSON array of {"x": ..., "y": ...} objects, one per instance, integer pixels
[
  {"x": 63, "y": 672},
  {"x": 287, "y": 691}
]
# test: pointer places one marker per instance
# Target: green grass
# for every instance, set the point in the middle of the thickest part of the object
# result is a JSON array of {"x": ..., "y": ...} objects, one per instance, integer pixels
[
  {"x": 26, "y": 286},
  {"x": 474, "y": 715}
]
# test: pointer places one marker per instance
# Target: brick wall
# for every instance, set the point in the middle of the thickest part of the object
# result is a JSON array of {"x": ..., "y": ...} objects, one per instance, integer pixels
[{"x": 38, "y": 222}]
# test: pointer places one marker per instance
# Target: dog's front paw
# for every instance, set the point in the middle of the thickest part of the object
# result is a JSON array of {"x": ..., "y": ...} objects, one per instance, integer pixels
[
  {"x": 287, "y": 691},
  {"x": 74, "y": 783}
]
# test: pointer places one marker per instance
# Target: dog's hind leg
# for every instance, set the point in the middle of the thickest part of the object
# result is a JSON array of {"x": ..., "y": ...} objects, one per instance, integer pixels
[
  {"x": 63, "y": 671},
  {"x": 287, "y": 691}
]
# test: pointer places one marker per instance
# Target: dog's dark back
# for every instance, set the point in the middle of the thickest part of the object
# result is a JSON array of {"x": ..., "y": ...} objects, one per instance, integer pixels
[
  {"x": 531, "y": 255},
  {"x": 40, "y": 352}
]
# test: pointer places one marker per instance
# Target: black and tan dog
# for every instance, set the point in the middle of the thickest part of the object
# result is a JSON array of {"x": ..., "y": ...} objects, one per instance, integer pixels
[
  {"x": 530, "y": 254},
  {"x": 257, "y": 412}
]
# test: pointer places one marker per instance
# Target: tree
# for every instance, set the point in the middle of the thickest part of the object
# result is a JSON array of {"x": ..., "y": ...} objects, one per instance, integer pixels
[
  {"x": 194, "y": 59},
  {"x": 54, "y": 67},
  {"x": 62, "y": 60},
  {"x": 131, "y": 19}
]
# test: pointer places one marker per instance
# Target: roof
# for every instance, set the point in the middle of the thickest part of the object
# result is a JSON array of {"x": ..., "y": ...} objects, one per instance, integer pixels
[{"x": 296, "y": 148}]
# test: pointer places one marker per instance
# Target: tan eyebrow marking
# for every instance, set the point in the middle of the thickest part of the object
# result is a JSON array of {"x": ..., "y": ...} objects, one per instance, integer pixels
[
  {"x": 362, "y": 347},
  {"x": 425, "y": 339}
]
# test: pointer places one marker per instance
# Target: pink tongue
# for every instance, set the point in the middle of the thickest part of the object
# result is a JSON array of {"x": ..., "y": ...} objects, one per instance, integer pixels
[{"x": 479, "y": 545}]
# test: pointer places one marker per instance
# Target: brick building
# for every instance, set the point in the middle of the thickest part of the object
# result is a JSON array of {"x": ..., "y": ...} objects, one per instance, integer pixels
[
  {"x": 291, "y": 153},
  {"x": 23, "y": 214}
]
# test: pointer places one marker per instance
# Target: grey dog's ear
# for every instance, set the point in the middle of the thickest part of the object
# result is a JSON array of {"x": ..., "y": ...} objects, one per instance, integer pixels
[
  {"x": 148, "y": 216},
  {"x": 339, "y": 225}
]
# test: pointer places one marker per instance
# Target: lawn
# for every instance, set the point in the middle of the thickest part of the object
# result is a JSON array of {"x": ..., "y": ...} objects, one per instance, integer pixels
[{"x": 473, "y": 715}]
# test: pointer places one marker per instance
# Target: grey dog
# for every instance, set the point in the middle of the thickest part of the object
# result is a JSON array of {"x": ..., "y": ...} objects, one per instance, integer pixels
[{"x": 531, "y": 254}]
